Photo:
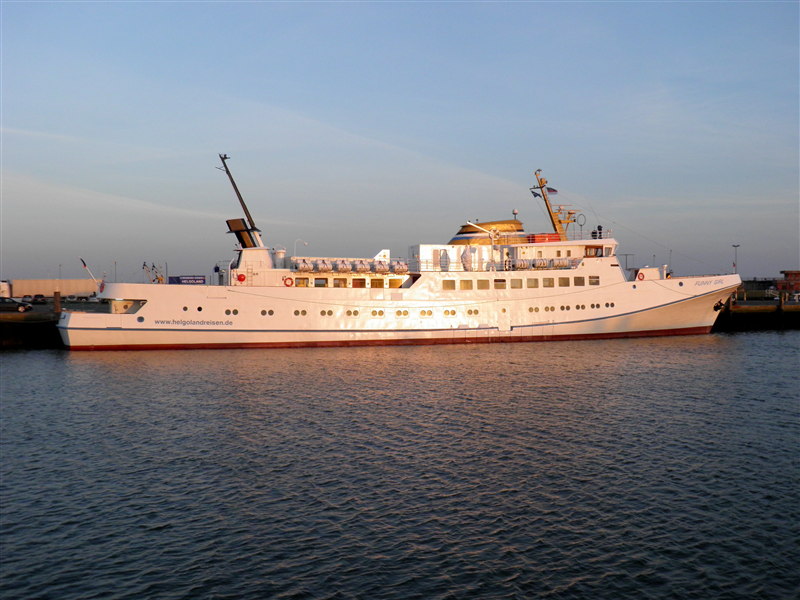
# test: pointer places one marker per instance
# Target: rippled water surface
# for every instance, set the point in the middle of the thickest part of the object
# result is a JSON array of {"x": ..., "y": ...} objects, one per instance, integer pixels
[{"x": 654, "y": 468}]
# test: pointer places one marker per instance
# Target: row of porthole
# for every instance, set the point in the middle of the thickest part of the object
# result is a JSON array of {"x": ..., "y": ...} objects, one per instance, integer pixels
[{"x": 404, "y": 313}]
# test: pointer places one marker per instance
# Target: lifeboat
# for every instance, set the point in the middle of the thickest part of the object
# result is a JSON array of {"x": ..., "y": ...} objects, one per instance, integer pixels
[{"x": 508, "y": 232}]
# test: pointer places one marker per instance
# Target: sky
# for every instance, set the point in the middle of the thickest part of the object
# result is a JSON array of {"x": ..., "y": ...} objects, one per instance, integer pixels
[{"x": 357, "y": 126}]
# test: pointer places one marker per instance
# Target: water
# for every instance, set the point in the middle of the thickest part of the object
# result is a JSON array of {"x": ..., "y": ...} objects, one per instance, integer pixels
[{"x": 653, "y": 468}]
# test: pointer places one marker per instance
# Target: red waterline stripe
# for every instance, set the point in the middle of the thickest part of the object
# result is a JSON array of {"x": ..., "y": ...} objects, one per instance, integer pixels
[{"x": 411, "y": 342}]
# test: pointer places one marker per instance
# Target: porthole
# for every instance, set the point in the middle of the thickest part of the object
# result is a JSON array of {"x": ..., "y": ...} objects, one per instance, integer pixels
[
  {"x": 634, "y": 286},
  {"x": 302, "y": 312},
  {"x": 530, "y": 309},
  {"x": 263, "y": 312},
  {"x": 349, "y": 313},
  {"x": 612, "y": 305},
  {"x": 296, "y": 313},
  {"x": 185, "y": 308},
  {"x": 606, "y": 304},
  {"x": 140, "y": 319},
  {"x": 236, "y": 311},
  {"x": 330, "y": 313},
  {"x": 322, "y": 313},
  {"x": 680, "y": 283},
  {"x": 355, "y": 313},
  {"x": 271, "y": 312},
  {"x": 228, "y": 311},
  {"x": 199, "y": 309},
  {"x": 536, "y": 309},
  {"x": 399, "y": 313}
]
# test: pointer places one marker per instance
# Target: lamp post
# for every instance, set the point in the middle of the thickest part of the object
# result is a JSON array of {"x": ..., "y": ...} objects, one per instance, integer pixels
[
  {"x": 305, "y": 243},
  {"x": 735, "y": 256}
]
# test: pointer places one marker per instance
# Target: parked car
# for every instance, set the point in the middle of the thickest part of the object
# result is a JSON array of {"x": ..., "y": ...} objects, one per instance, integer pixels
[
  {"x": 39, "y": 299},
  {"x": 9, "y": 304},
  {"x": 27, "y": 298}
]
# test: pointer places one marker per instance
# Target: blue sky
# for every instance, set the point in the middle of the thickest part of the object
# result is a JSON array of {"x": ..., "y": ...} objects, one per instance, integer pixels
[{"x": 360, "y": 126}]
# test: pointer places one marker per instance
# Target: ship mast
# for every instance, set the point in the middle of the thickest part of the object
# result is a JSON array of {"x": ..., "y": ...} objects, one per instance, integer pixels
[
  {"x": 255, "y": 231},
  {"x": 560, "y": 224}
]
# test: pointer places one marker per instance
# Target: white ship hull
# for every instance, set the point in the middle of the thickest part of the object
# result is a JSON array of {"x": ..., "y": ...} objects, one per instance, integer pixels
[{"x": 678, "y": 306}]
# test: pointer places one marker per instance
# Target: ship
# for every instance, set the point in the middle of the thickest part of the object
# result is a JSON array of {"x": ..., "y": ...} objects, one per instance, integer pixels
[{"x": 492, "y": 282}]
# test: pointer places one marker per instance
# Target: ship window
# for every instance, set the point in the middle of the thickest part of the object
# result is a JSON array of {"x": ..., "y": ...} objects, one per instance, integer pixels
[
  {"x": 548, "y": 282},
  {"x": 558, "y": 253},
  {"x": 359, "y": 283},
  {"x": 465, "y": 284},
  {"x": 448, "y": 284},
  {"x": 395, "y": 283},
  {"x": 483, "y": 284},
  {"x": 569, "y": 252},
  {"x": 339, "y": 282},
  {"x": 563, "y": 282},
  {"x": 579, "y": 281},
  {"x": 533, "y": 283},
  {"x": 499, "y": 284},
  {"x": 301, "y": 281},
  {"x": 594, "y": 280},
  {"x": 376, "y": 283},
  {"x": 130, "y": 306},
  {"x": 516, "y": 284},
  {"x": 607, "y": 251},
  {"x": 538, "y": 254},
  {"x": 320, "y": 282}
]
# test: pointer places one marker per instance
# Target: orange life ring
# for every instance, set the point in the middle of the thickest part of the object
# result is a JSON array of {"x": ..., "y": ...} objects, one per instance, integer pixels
[
  {"x": 288, "y": 281},
  {"x": 640, "y": 276}
]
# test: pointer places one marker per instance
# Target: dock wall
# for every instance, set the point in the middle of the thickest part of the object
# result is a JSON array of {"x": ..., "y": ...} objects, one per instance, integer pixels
[{"x": 47, "y": 287}]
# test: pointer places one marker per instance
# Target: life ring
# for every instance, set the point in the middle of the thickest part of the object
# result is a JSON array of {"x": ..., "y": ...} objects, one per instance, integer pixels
[
  {"x": 288, "y": 281},
  {"x": 640, "y": 276}
]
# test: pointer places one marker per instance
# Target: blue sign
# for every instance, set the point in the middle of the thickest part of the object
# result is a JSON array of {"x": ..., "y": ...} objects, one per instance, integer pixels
[{"x": 188, "y": 279}]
